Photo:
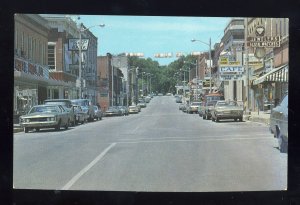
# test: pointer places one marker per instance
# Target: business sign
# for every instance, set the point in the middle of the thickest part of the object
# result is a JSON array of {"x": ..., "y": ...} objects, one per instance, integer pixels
[
  {"x": 135, "y": 54},
  {"x": 264, "y": 41},
  {"x": 231, "y": 77},
  {"x": 223, "y": 61},
  {"x": 163, "y": 55},
  {"x": 74, "y": 44},
  {"x": 237, "y": 69}
]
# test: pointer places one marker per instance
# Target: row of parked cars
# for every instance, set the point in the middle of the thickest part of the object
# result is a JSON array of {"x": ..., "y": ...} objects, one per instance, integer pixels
[
  {"x": 217, "y": 109},
  {"x": 57, "y": 113}
]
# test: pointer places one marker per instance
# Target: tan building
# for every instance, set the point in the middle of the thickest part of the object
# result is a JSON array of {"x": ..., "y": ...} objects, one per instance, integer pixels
[
  {"x": 270, "y": 81},
  {"x": 32, "y": 81}
]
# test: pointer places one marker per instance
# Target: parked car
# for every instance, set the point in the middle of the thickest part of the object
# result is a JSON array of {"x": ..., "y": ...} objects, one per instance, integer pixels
[
  {"x": 133, "y": 109},
  {"x": 185, "y": 107},
  {"x": 139, "y": 107},
  {"x": 86, "y": 106},
  {"x": 227, "y": 110},
  {"x": 147, "y": 99},
  {"x": 206, "y": 109},
  {"x": 98, "y": 113},
  {"x": 67, "y": 106},
  {"x": 279, "y": 124},
  {"x": 142, "y": 103},
  {"x": 113, "y": 111},
  {"x": 81, "y": 116},
  {"x": 45, "y": 116},
  {"x": 123, "y": 110},
  {"x": 193, "y": 107},
  {"x": 181, "y": 106},
  {"x": 178, "y": 99}
]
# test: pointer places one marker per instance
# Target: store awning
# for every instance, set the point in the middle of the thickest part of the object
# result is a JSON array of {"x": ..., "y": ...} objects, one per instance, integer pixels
[
  {"x": 280, "y": 74},
  {"x": 26, "y": 77}
]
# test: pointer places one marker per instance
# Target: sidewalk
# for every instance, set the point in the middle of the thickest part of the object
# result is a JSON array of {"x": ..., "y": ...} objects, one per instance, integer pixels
[{"x": 262, "y": 117}]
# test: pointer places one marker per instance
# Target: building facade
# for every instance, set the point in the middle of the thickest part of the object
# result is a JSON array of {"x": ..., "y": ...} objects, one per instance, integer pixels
[
  {"x": 32, "y": 79},
  {"x": 230, "y": 62},
  {"x": 270, "y": 80}
]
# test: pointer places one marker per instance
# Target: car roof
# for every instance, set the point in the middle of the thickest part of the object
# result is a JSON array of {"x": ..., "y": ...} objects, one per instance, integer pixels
[{"x": 57, "y": 100}]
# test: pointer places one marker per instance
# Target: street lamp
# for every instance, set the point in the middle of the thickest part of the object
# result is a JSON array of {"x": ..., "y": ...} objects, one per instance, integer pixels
[
  {"x": 208, "y": 44},
  {"x": 195, "y": 64},
  {"x": 81, "y": 30},
  {"x": 184, "y": 79}
]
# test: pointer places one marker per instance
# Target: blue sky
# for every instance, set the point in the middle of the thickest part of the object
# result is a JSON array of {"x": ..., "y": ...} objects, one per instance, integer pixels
[{"x": 151, "y": 34}]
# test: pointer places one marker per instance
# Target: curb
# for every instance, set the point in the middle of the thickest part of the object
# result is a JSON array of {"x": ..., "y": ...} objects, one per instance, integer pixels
[{"x": 261, "y": 120}]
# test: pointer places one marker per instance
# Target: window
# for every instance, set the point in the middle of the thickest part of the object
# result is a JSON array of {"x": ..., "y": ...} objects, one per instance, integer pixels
[{"x": 51, "y": 56}]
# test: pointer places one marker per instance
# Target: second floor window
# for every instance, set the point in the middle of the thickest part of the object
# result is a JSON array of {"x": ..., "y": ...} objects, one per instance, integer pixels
[{"x": 51, "y": 56}]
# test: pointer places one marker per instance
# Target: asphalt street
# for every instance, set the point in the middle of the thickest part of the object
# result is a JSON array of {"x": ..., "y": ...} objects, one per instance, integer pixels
[{"x": 160, "y": 149}]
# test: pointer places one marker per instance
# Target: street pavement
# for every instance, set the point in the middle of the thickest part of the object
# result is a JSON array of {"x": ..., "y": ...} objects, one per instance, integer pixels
[{"x": 159, "y": 149}]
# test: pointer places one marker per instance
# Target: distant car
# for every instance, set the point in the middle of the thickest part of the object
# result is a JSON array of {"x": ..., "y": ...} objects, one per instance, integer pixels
[
  {"x": 67, "y": 106},
  {"x": 227, "y": 110},
  {"x": 86, "y": 106},
  {"x": 193, "y": 107},
  {"x": 178, "y": 99},
  {"x": 139, "y": 107},
  {"x": 185, "y": 107},
  {"x": 112, "y": 111},
  {"x": 279, "y": 124},
  {"x": 81, "y": 116},
  {"x": 98, "y": 113},
  {"x": 159, "y": 94},
  {"x": 169, "y": 94},
  {"x": 181, "y": 106},
  {"x": 142, "y": 103},
  {"x": 207, "y": 108},
  {"x": 45, "y": 116},
  {"x": 133, "y": 109},
  {"x": 147, "y": 99},
  {"x": 123, "y": 109}
]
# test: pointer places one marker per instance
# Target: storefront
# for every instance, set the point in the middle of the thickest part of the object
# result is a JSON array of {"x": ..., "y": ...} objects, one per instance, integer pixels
[
  {"x": 270, "y": 88},
  {"x": 31, "y": 90}
]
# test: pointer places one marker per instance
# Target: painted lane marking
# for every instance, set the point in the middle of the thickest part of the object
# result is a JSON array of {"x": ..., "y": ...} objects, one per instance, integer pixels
[
  {"x": 195, "y": 140},
  {"x": 85, "y": 169},
  {"x": 185, "y": 138}
]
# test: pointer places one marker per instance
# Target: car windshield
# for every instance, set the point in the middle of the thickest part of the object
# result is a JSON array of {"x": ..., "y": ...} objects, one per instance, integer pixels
[
  {"x": 212, "y": 103},
  {"x": 196, "y": 103},
  {"x": 42, "y": 109}
]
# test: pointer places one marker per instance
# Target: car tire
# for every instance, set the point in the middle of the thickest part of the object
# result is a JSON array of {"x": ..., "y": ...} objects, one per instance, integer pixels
[
  {"x": 204, "y": 116},
  {"x": 57, "y": 127},
  {"x": 67, "y": 124},
  {"x": 241, "y": 119},
  {"x": 282, "y": 145},
  {"x": 217, "y": 119},
  {"x": 235, "y": 119},
  {"x": 212, "y": 119},
  {"x": 37, "y": 129},
  {"x": 26, "y": 129}
]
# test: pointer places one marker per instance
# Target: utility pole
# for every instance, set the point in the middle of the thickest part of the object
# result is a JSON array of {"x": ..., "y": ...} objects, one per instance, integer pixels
[{"x": 246, "y": 65}]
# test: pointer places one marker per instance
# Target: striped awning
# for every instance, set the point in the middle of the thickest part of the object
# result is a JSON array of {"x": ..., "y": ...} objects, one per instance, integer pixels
[{"x": 280, "y": 74}]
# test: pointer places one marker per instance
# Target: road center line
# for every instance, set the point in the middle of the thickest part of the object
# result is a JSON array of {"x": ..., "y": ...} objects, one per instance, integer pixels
[{"x": 89, "y": 166}]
